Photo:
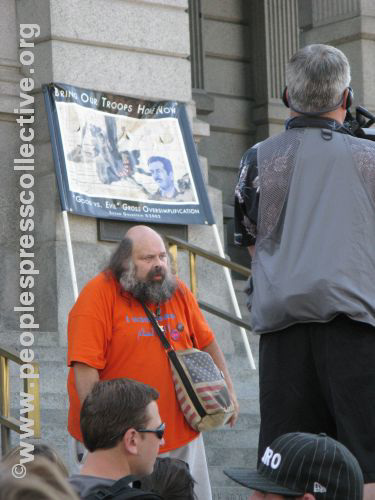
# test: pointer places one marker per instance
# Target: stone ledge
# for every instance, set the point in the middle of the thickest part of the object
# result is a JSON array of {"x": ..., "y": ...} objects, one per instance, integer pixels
[
  {"x": 121, "y": 72},
  {"x": 205, "y": 103}
]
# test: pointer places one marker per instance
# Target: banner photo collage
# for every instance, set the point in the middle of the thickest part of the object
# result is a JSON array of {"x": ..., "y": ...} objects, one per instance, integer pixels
[{"x": 122, "y": 158}]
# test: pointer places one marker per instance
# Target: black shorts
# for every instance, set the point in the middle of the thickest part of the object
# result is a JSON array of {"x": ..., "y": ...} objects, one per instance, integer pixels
[{"x": 320, "y": 377}]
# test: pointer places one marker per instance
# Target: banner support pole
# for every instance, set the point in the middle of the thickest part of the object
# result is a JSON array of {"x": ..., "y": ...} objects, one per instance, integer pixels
[
  {"x": 75, "y": 447},
  {"x": 70, "y": 254},
  {"x": 234, "y": 298}
]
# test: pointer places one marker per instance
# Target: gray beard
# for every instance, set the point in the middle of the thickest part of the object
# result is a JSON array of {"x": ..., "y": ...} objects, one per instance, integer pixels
[{"x": 148, "y": 291}]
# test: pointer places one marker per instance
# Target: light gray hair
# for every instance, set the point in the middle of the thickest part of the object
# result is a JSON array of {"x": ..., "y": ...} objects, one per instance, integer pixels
[
  {"x": 146, "y": 290},
  {"x": 317, "y": 76}
]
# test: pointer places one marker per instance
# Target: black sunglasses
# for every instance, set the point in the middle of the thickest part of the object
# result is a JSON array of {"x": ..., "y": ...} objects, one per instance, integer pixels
[{"x": 159, "y": 431}]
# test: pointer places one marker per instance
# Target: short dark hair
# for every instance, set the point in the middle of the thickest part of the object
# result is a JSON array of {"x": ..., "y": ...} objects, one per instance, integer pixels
[
  {"x": 113, "y": 407},
  {"x": 120, "y": 258},
  {"x": 166, "y": 163},
  {"x": 171, "y": 479}
]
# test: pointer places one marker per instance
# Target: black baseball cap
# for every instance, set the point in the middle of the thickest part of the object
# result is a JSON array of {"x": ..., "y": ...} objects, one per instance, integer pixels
[{"x": 298, "y": 463}]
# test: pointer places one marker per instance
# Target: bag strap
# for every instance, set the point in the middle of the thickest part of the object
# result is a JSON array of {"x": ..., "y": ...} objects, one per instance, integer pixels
[
  {"x": 167, "y": 346},
  {"x": 106, "y": 492},
  {"x": 176, "y": 362},
  {"x": 120, "y": 489}
]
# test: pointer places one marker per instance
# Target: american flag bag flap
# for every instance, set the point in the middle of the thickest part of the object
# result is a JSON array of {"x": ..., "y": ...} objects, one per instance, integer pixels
[{"x": 200, "y": 386}]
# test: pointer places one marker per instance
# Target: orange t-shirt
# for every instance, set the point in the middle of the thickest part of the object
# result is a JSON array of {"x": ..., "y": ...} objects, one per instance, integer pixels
[{"x": 109, "y": 330}]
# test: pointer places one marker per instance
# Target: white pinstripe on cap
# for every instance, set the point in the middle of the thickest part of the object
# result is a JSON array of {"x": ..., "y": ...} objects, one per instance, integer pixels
[{"x": 299, "y": 463}]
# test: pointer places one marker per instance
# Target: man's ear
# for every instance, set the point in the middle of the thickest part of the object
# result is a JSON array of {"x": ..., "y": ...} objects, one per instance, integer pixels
[
  {"x": 345, "y": 98},
  {"x": 130, "y": 441},
  {"x": 308, "y": 496}
]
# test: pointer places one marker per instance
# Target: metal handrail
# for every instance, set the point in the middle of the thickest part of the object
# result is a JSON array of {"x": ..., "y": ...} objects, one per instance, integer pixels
[
  {"x": 176, "y": 243},
  {"x": 30, "y": 387}
]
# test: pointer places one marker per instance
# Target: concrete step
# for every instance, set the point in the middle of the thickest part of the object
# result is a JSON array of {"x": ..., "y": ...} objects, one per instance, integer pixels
[
  {"x": 242, "y": 300},
  {"x": 49, "y": 400},
  {"x": 44, "y": 352},
  {"x": 224, "y": 447},
  {"x": 12, "y": 338},
  {"x": 245, "y": 457},
  {"x": 239, "y": 285},
  {"x": 249, "y": 406},
  {"x": 220, "y": 480},
  {"x": 52, "y": 378},
  {"x": 230, "y": 493},
  {"x": 238, "y": 359},
  {"x": 53, "y": 431},
  {"x": 238, "y": 342},
  {"x": 239, "y": 364},
  {"x": 48, "y": 353},
  {"x": 245, "y": 390},
  {"x": 232, "y": 438},
  {"x": 246, "y": 421},
  {"x": 237, "y": 447}
]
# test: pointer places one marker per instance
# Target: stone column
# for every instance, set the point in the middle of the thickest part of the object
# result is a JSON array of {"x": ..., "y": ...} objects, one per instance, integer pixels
[
  {"x": 139, "y": 49},
  {"x": 9, "y": 66},
  {"x": 350, "y": 26},
  {"x": 9, "y": 90},
  {"x": 275, "y": 39}
]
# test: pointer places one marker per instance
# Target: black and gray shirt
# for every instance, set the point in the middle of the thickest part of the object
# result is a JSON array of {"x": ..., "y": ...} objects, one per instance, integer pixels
[{"x": 307, "y": 198}]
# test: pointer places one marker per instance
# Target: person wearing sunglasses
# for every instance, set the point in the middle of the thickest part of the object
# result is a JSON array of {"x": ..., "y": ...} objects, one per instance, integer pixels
[{"x": 122, "y": 431}]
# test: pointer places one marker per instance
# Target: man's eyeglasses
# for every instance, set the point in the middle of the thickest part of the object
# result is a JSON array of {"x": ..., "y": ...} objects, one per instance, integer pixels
[{"x": 159, "y": 431}]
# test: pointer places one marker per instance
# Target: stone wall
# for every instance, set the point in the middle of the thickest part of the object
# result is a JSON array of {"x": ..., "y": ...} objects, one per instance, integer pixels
[
  {"x": 349, "y": 26},
  {"x": 136, "y": 48},
  {"x": 228, "y": 81},
  {"x": 274, "y": 40},
  {"x": 9, "y": 146},
  {"x": 141, "y": 48}
]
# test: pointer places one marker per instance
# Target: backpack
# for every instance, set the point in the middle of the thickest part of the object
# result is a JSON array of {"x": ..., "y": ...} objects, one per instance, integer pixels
[{"x": 120, "y": 490}]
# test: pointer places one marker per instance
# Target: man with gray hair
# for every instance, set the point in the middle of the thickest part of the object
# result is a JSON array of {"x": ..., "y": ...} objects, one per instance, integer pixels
[
  {"x": 305, "y": 208},
  {"x": 110, "y": 336}
]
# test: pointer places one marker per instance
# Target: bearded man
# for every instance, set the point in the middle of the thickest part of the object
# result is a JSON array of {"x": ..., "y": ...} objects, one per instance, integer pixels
[{"x": 110, "y": 336}]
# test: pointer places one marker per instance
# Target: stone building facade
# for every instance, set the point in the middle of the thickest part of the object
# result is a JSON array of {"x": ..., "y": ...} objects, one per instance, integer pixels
[{"x": 225, "y": 59}]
